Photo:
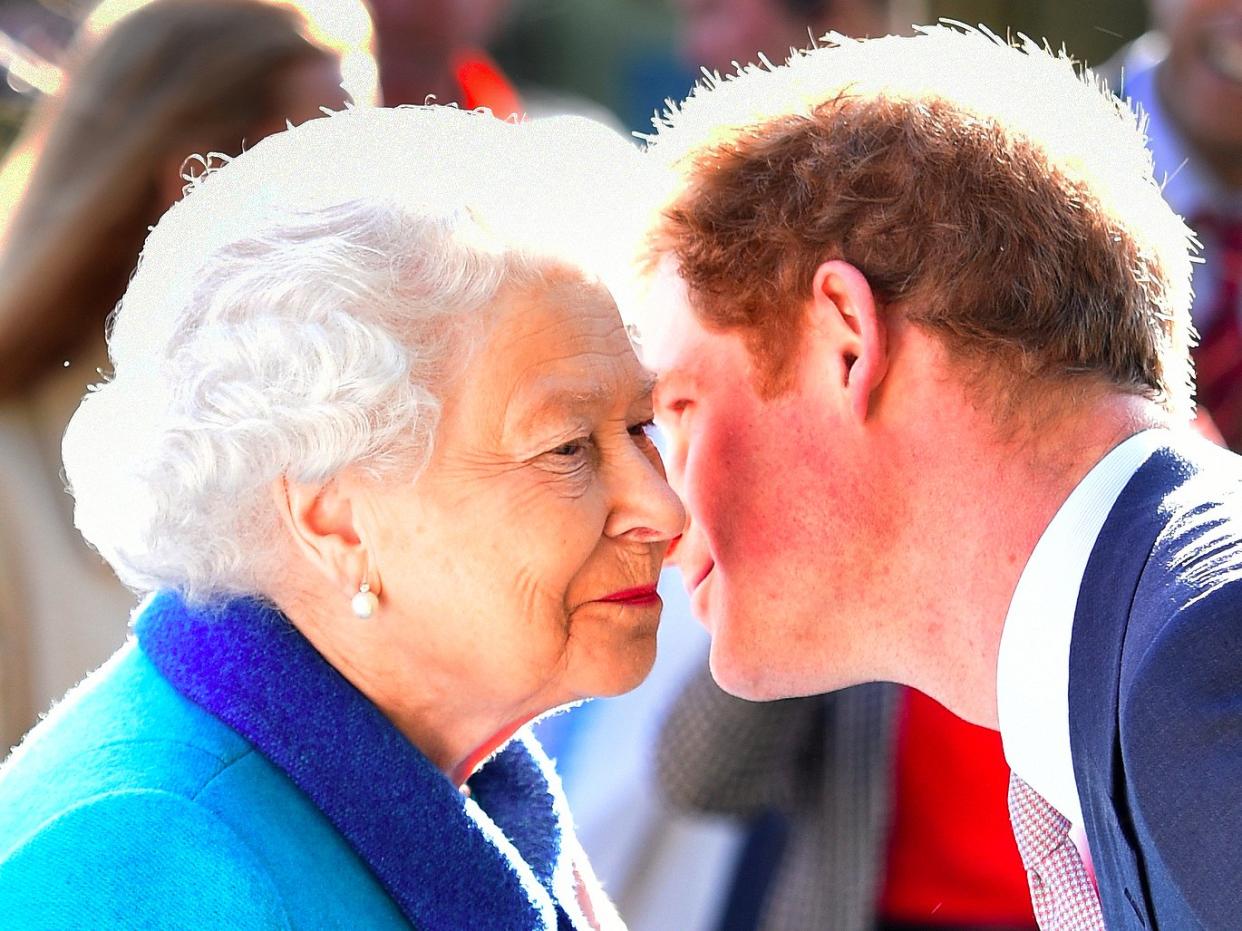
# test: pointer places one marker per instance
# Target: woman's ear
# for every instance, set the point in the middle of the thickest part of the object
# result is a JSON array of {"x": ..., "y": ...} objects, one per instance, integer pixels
[
  {"x": 321, "y": 521},
  {"x": 843, "y": 312}
]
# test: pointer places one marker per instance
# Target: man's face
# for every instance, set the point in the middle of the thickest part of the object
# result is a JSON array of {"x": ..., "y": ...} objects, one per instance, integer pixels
[
  {"x": 1201, "y": 79},
  {"x": 767, "y": 555}
]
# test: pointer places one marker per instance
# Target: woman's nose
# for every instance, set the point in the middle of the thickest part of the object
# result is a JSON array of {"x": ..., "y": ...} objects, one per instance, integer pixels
[{"x": 646, "y": 508}]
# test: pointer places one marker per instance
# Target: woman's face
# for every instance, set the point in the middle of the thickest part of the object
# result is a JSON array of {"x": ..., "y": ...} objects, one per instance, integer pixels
[{"x": 520, "y": 569}]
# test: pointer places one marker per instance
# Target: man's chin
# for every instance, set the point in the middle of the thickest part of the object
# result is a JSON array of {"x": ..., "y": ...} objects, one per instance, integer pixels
[
  {"x": 743, "y": 674},
  {"x": 748, "y": 670}
]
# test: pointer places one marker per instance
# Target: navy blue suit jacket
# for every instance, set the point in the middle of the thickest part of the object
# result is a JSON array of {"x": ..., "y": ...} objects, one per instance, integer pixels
[{"x": 1156, "y": 695}]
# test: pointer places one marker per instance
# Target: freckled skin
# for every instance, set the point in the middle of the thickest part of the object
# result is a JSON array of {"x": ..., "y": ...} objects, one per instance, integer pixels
[
  {"x": 534, "y": 506},
  {"x": 869, "y": 523},
  {"x": 782, "y": 543}
]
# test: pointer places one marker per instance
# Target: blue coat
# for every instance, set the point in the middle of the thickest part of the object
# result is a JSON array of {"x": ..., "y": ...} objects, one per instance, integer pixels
[
  {"x": 1156, "y": 695},
  {"x": 219, "y": 773}
]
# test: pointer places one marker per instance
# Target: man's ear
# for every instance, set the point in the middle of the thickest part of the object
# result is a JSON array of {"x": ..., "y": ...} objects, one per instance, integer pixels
[
  {"x": 843, "y": 312},
  {"x": 321, "y": 521}
]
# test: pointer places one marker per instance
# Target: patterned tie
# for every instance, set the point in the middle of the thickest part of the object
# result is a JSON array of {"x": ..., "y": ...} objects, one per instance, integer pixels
[
  {"x": 1061, "y": 891},
  {"x": 1218, "y": 357}
]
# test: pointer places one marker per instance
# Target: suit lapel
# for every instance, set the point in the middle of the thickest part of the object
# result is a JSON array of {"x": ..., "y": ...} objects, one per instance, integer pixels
[{"x": 1101, "y": 620}]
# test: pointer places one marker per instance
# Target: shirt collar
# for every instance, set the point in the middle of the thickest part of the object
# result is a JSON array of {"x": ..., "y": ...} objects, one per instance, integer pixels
[
  {"x": 1032, "y": 675},
  {"x": 494, "y": 860}
]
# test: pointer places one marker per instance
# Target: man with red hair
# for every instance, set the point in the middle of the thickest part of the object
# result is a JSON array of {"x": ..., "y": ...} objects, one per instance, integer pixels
[{"x": 920, "y": 319}]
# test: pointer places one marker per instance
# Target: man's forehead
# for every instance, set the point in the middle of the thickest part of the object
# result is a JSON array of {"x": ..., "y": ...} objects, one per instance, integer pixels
[{"x": 669, "y": 325}]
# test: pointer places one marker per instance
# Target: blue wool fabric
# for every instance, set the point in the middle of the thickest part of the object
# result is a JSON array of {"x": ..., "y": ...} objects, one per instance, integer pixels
[{"x": 220, "y": 773}]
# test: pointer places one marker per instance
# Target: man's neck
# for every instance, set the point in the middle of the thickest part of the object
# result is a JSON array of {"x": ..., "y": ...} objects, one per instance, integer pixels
[{"x": 979, "y": 509}]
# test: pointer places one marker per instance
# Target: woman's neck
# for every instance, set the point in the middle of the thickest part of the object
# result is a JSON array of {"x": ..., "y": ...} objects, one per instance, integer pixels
[
  {"x": 451, "y": 727},
  {"x": 462, "y": 771}
]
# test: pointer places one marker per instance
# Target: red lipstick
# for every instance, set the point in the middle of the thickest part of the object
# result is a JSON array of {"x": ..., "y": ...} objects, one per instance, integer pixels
[{"x": 646, "y": 595}]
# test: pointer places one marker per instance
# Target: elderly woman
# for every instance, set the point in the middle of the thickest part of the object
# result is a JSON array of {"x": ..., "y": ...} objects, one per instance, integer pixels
[{"x": 376, "y": 442}]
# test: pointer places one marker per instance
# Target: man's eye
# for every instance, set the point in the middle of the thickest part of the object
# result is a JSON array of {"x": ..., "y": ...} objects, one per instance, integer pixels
[{"x": 646, "y": 428}]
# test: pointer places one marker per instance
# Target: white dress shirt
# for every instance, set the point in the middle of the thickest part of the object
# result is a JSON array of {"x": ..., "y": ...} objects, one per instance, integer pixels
[{"x": 1032, "y": 670}]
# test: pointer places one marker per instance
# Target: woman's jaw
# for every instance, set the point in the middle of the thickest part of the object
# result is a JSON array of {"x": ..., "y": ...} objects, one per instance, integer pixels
[{"x": 517, "y": 572}]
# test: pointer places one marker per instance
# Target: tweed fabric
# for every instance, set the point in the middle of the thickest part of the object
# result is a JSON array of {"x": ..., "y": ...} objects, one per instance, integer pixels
[
  {"x": 243, "y": 662},
  {"x": 824, "y": 763},
  {"x": 218, "y": 773},
  {"x": 1061, "y": 890}
]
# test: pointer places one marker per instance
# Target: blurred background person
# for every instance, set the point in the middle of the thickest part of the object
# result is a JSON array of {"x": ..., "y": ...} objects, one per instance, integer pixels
[
  {"x": 1186, "y": 75},
  {"x": 100, "y": 158},
  {"x": 717, "y": 33},
  {"x": 871, "y": 807},
  {"x": 438, "y": 50},
  {"x": 430, "y": 51}
]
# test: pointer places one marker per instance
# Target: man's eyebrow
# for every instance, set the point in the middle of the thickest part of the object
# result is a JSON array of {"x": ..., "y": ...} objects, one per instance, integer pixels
[{"x": 676, "y": 381}]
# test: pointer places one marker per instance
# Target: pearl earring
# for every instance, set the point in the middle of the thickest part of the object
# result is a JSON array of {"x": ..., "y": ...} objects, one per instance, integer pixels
[{"x": 364, "y": 603}]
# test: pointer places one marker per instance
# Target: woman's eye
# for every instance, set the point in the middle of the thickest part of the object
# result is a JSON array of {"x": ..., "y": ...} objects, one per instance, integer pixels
[
  {"x": 573, "y": 457},
  {"x": 572, "y": 449}
]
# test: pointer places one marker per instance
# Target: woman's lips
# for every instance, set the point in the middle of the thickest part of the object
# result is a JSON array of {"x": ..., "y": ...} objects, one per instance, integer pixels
[{"x": 646, "y": 595}]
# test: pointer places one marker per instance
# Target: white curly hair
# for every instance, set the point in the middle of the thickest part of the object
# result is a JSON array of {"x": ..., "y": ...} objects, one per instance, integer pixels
[{"x": 298, "y": 311}]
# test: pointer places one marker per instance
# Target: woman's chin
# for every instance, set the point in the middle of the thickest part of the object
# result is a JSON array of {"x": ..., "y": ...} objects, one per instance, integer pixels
[{"x": 626, "y": 671}]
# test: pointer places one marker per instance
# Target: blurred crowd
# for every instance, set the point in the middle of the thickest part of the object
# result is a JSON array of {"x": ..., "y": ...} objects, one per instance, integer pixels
[{"x": 868, "y": 808}]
